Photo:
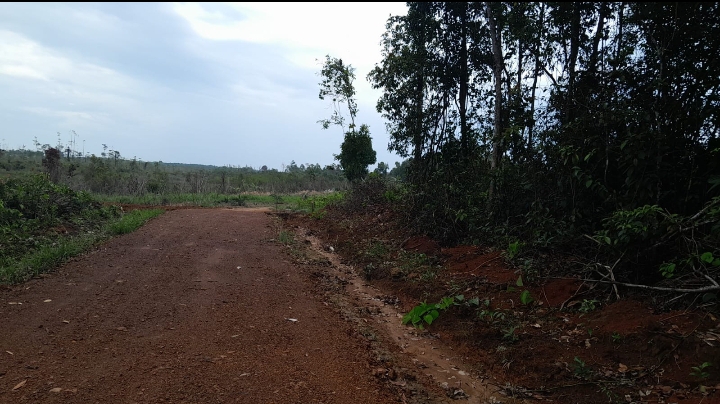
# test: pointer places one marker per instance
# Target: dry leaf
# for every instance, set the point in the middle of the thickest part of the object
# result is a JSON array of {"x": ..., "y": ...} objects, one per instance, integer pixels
[
  {"x": 56, "y": 390},
  {"x": 19, "y": 385},
  {"x": 622, "y": 368}
]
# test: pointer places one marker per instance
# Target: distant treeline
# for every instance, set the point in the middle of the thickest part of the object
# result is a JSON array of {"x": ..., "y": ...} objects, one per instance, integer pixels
[{"x": 113, "y": 175}]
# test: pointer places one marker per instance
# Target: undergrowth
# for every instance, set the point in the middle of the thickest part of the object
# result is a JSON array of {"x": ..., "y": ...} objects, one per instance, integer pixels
[{"x": 43, "y": 225}]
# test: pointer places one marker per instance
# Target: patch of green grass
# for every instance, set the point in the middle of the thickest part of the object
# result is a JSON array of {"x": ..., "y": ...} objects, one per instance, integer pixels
[
  {"x": 45, "y": 258},
  {"x": 297, "y": 202},
  {"x": 131, "y": 221},
  {"x": 51, "y": 254}
]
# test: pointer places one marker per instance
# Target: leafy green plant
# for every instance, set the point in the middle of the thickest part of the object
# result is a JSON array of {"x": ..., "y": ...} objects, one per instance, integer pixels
[
  {"x": 423, "y": 312},
  {"x": 616, "y": 337},
  {"x": 700, "y": 371},
  {"x": 488, "y": 315},
  {"x": 667, "y": 270},
  {"x": 427, "y": 313},
  {"x": 508, "y": 334},
  {"x": 709, "y": 259},
  {"x": 581, "y": 369},
  {"x": 588, "y": 305},
  {"x": 513, "y": 249}
]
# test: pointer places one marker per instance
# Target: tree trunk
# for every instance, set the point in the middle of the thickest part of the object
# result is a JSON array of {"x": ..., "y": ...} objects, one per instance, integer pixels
[
  {"x": 464, "y": 135},
  {"x": 531, "y": 129},
  {"x": 499, "y": 65},
  {"x": 574, "y": 49},
  {"x": 598, "y": 35}
]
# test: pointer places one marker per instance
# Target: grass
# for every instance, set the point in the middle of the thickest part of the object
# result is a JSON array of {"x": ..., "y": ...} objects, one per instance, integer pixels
[
  {"x": 49, "y": 256},
  {"x": 132, "y": 221},
  {"x": 296, "y": 202}
]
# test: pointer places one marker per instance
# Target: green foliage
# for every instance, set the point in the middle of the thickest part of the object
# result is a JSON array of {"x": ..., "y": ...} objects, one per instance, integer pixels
[
  {"x": 508, "y": 334},
  {"x": 616, "y": 337},
  {"x": 42, "y": 224},
  {"x": 427, "y": 313},
  {"x": 526, "y": 298},
  {"x": 667, "y": 270},
  {"x": 604, "y": 151},
  {"x": 423, "y": 312},
  {"x": 588, "y": 306},
  {"x": 131, "y": 221},
  {"x": 700, "y": 371},
  {"x": 581, "y": 370},
  {"x": 356, "y": 153},
  {"x": 628, "y": 228},
  {"x": 337, "y": 84},
  {"x": 513, "y": 250},
  {"x": 132, "y": 178}
]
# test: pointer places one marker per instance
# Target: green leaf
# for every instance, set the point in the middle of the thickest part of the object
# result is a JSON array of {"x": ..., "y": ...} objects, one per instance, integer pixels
[
  {"x": 428, "y": 319},
  {"x": 607, "y": 240},
  {"x": 519, "y": 281},
  {"x": 588, "y": 183},
  {"x": 707, "y": 257},
  {"x": 407, "y": 318},
  {"x": 526, "y": 298},
  {"x": 716, "y": 262}
]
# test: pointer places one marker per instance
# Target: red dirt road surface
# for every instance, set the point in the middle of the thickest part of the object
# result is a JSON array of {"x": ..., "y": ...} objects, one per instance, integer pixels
[{"x": 198, "y": 306}]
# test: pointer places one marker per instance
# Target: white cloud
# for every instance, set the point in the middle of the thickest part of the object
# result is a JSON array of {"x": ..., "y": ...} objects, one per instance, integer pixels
[
  {"x": 306, "y": 31},
  {"x": 349, "y": 30},
  {"x": 23, "y": 58}
]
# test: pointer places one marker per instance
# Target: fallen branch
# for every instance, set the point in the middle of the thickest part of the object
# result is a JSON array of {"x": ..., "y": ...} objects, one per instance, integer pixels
[{"x": 660, "y": 288}]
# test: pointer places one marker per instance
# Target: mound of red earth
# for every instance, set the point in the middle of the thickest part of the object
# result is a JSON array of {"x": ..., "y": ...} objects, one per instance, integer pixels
[{"x": 568, "y": 345}]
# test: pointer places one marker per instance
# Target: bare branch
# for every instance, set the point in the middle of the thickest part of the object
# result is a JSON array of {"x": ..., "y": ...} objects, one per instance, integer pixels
[{"x": 679, "y": 290}]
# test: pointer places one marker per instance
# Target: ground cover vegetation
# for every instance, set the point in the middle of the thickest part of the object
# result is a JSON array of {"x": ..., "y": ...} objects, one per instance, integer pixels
[{"x": 43, "y": 224}]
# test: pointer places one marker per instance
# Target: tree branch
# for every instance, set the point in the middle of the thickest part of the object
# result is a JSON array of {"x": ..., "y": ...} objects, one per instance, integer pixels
[{"x": 659, "y": 288}]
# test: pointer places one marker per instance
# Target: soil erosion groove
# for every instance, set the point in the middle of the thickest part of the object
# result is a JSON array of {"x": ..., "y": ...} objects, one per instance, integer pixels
[{"x": 198, "y": 306}]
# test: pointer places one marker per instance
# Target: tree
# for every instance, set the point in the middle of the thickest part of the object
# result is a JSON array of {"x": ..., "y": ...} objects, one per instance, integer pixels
[
  {"x": 51, "y": 163},
  {"x": 382, "y": 168},
  {"x": 356, "y": 152}
]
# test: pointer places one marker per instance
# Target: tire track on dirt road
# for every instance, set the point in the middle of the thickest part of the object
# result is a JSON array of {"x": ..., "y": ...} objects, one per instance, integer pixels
[{"x": 191, "y": 308}]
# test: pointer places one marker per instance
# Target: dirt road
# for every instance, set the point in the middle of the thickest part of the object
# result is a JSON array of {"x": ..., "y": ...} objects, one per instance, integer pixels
[{"x": 198, "y": 306}]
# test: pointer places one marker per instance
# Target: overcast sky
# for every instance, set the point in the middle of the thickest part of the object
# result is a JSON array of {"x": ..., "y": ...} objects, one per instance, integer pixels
[{"x": 193, "y": 83}]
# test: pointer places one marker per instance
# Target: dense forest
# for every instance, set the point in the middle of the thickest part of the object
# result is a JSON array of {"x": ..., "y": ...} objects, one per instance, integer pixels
[{"x": 589, "y": 127}]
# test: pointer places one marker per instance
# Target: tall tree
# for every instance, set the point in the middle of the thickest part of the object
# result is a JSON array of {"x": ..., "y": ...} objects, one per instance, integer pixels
[{"x": 356, "y": 152}]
